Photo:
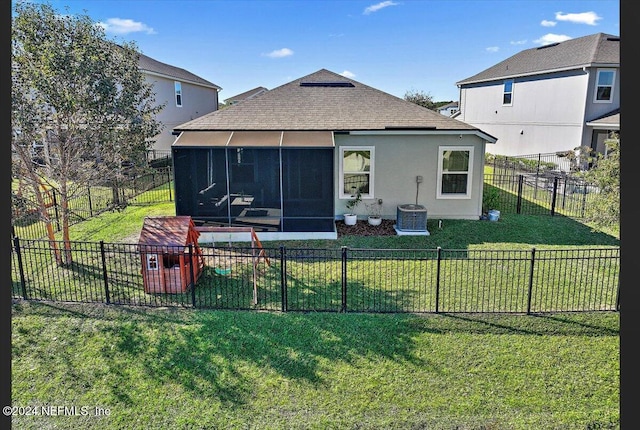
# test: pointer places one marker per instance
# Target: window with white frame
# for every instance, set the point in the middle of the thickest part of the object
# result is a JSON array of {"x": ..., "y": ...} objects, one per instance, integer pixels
[
  {"x": 455, "y": 172},
  {"x": 604, "y": 86},
  {"x": 356, "y": 171},
  {"x": 178, "y": 87},
  {"x": 507, "y": 92}
]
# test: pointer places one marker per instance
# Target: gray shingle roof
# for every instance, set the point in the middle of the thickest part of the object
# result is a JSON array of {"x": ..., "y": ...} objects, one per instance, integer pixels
[
  {"x": 335, "y": 107},
  {"x": 598, "y": 49},
  {"x": 149, "y": 64},
  {"x": 609, "y": 119},
  {"x": 251, "y": 93}
]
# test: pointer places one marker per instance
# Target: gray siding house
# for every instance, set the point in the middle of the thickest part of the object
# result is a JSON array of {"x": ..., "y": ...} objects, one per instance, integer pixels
[
  {"x": 287, "y": 162},
  {"x": 550, "y": 99},
  {"x": 186, "y": 96}
]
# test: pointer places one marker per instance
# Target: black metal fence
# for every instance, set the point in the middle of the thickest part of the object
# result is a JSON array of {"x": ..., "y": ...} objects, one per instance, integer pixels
[
  {"x": 153, "y": 187},
  {"x": 537, "y": 194},
  {"x": 563, "y": 162},
  {"x": 333, "y": 280}
]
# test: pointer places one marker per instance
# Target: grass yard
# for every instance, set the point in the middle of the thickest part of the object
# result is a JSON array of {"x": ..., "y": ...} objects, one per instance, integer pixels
[
  {"x": 171, "y": 368},
  {"x": 185, "y": 369}
]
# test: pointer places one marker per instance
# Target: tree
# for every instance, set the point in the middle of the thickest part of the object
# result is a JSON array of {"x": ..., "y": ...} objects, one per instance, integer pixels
[
  {"x": 420, "y": 98},
  {"x": 82, "y": 99},
  {"x": 604, "y": 209}
]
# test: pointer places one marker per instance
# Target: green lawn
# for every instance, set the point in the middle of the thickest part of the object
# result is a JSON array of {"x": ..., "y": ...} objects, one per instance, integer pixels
[
  {"x": 170, "y": 368},
  {"x": 188, "y": 369}
]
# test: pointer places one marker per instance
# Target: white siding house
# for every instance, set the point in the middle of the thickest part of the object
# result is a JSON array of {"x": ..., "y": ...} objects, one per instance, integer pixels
[{"x": 550, "y": 99}]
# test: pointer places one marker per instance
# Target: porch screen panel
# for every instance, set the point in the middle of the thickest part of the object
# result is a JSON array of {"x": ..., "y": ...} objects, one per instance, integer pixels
[
  {"x": 201, "y": 184},
  {"x": 254, "y": 178},
  {"x": 307, "y": 188}
]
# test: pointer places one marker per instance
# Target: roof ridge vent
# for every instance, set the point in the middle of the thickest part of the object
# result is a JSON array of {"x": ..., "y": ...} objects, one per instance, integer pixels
[
  {"x": 549, "y": 45},
  {"x": 334, "y": 84}
]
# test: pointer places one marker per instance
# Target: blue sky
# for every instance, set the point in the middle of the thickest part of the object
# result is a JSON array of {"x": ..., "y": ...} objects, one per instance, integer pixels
[{"x": 394, "y": 45}]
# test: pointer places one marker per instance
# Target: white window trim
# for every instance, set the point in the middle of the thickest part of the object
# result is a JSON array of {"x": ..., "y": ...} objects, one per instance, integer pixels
[
  {"x": 613, "y": 85},
  {"x": 441, "y": 151},
  {"x": 177, "y": 89},
  {"x": 513, "y": 84},
  {"x": 371, "y": 173}
]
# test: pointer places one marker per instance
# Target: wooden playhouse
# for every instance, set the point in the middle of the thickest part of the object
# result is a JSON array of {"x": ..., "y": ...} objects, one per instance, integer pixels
[{"x": 164, "y": 250}]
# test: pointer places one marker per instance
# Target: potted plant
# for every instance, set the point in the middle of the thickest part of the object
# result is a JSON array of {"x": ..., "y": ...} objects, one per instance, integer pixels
[
  {"x": 350, "y": 217},
  {"x": 374, "y": 209}
]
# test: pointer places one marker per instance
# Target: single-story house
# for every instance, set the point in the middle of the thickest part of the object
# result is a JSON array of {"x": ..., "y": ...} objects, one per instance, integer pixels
[{"x": 286, "y": 163}]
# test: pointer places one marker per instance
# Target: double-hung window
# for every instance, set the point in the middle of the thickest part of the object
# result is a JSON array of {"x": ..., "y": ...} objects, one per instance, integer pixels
[
  {"x": 356, "y": 171},
  {"x": 178, "y": 89},
  {"x": 604, "y": 86},
  {"x": 507, "y": 92},
  {"x": 454, "y": 172}
]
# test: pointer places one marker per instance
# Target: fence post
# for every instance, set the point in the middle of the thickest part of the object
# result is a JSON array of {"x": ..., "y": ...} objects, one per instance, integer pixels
[
  {"x": 519, "y": 201},
  {"x": 89, "y": 198},
  {"x": 192, "y": 275},
  {"x": 344, "y": 279},
  {"x": 618, "y": 295},
  {"x": 169, "y": 183},
  {"x": 533, "y": 259},
  {"x": 23, "y": 283},
  {"x": 283, "y": 278},
  {"x": 104, "y": 272},
  {"x": 55, "y": 209},
  {"x": 553, "y": 196},
  {"x": 438, "y": 280},
  {"x": 584, "y": 199}
]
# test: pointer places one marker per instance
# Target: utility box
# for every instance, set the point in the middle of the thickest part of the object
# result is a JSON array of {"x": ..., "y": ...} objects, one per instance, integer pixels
[{"x": 167, "y": 265}]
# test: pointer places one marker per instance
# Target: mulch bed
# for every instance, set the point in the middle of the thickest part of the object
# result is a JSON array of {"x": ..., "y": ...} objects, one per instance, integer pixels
[{"x": 363, "y": 228}]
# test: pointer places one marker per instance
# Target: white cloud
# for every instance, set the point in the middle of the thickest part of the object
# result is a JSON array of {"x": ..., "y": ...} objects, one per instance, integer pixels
[
  {"x": 279, "y": 53},
  {"x": 518, "y": 42},
  {"x": 551, "y": 38},
  {"x": 125, "y": 26},
  {"x": 493, "y": 49},
  {"x": 348, "y": 74},
  {"x": 589, "y": 18},
  {"x": 546, "y": 23},
  {"x": 376, "y": 7}
]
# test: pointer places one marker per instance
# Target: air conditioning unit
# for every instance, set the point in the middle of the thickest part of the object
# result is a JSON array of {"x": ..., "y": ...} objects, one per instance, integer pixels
[{"x": 411, "y": 218}]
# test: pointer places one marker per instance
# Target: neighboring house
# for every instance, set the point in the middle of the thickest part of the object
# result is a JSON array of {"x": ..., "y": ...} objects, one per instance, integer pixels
[
  {"x": 549, "y": 99},
  {"x": 287, "y": 162},
  {"x": 246, "y": 95},
  {"x": 187, "y": 96},
  {"x": 449, "y": 109}
]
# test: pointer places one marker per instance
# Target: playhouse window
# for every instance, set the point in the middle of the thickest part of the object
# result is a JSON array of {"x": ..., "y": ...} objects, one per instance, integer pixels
[
  {"x": 170, "y": 260},
  {"x": 152, "y": 262}
]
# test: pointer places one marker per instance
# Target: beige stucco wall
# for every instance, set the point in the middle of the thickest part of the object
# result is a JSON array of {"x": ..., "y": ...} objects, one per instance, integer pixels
[
  {"x": 399, "y": 159},
  {"x": 197, "y": 100}
]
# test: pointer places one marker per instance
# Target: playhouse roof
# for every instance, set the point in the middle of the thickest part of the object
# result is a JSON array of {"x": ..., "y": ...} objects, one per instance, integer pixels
[{"x": 168, "y": 231}]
